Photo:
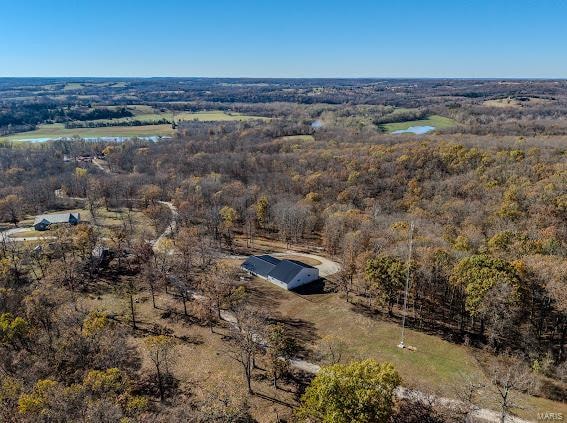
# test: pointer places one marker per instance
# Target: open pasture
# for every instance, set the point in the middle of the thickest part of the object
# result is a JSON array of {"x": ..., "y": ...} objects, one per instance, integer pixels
[{"x": 58, "y": 130}]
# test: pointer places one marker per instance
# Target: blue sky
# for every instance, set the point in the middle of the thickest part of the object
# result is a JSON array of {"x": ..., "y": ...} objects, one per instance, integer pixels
[{"x": 292, "y": 38}]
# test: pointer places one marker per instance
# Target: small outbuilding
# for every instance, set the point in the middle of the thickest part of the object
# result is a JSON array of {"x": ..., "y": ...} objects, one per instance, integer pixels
[
  {"x": 287, "y": 274},
  {"x": 43, "y": 222}
]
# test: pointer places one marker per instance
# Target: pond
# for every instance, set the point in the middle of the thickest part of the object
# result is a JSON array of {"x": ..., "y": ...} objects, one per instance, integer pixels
[
  {"x": 415, "y": 130},
  {"x": 317, "y": 123}
]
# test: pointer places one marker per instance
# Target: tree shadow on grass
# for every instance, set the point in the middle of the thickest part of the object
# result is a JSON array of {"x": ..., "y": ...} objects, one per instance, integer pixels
[
  {"x": 144, "y": 329},
  {"x": 415, "y": 412},
  {"x": 301, "y": 380},
  {"x": 437, "y": 329},
  {"x": 272, "y": 399},
  {"x": 302, "y": 331},
  {"x": 148, "y": 384}
]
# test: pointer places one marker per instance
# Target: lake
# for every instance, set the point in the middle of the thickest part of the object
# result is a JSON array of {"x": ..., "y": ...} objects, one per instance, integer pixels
[{"x": 415, "y": 130}]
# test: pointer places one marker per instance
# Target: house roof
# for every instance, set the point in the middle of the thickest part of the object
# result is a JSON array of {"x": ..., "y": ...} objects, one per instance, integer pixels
[
  {"x": 286, "y": 270},
  {"x": 56, "y": 218},
  {"x": 267, "y": 266},
  {"x": 261, "y": 265}
]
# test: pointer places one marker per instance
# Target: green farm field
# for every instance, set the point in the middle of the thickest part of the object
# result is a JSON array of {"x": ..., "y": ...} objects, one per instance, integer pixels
[
  {"x": 58, "y": 130},
  {"x": 143, "y": 113}
]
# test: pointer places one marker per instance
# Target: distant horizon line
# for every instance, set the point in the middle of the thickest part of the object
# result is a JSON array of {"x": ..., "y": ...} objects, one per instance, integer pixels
[{"x": 477, "y": 78}]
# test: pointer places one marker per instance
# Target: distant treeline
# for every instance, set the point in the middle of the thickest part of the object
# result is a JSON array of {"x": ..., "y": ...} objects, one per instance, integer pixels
[
  {"x": 29, "y": 114},
  {"x": 14, "y": 129},
  {"x": 36, "y": 113},
  {"x": 94, "y": 114},
  {"x": 104, "y": 124},
  {"x": 401, "y": 116}
]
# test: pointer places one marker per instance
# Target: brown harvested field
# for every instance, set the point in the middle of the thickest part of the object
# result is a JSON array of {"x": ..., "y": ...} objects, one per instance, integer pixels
[{"x": 515, "y": 103}]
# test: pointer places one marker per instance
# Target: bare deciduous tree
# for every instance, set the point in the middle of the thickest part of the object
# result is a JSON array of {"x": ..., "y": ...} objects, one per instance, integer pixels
[
  {"x": 246, "y": 340},
  {"x": 510, "y": 375}
]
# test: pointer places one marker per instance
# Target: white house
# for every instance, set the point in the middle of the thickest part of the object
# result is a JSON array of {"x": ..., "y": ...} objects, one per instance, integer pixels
[{"x": 287, "y": 274}]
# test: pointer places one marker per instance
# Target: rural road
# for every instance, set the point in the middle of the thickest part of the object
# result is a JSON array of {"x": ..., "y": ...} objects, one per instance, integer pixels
[
  {"x": 172, "y": 223},
  {"x": 98, "y": 164},
  {"x": 477, "y": 414},
  {"x": 6, "y": 235},
  {"x": 326, "y": 268}
]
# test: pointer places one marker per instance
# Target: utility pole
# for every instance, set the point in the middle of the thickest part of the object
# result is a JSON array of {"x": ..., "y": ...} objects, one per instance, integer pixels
[{"x": 408, "y": 274}]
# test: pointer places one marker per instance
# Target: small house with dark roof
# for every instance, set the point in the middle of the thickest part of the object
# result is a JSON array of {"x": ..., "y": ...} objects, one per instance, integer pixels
[
  {"x": 43, "y": 222},
  {"x": 287, "y": 274}
]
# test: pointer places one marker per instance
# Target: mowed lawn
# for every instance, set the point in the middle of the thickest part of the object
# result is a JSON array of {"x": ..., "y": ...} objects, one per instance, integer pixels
[
  {"x": 439, "y": 122},
  {"x": 434, "y": 365},
  {"x": 58, "y": 130}
]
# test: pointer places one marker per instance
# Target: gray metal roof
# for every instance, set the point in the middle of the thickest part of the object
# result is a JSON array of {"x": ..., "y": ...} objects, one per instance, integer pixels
[
  {"x": 56, "y": 218},
  {"x": 286, "y": 271},
  {"x": 260, "y": 265},
  {"x": 281, "y": 270}
]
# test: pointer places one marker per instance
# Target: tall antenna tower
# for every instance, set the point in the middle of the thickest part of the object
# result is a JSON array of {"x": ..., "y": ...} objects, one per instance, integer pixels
[{"x": 408, "y": 275}]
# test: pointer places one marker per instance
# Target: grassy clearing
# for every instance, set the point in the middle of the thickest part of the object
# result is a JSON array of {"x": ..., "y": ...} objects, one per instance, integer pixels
[
  {"x": 439, "y": 122},
  {"x": 436, "y": 367},
  {"x": 216, "y": 116},
  {"x": 143, "y": 113},
  {"x": 515, "y": 103},
  {"x": 149, "y": 114},
  {"x": 106, "y": 220},
  {"x": 26, "y": 234},
  {"x": 70, "y": 86},
  {"x": 305, "y": 138},
  {"x": 58, "y": 130},
  {"x": 433, "y": 367}
]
